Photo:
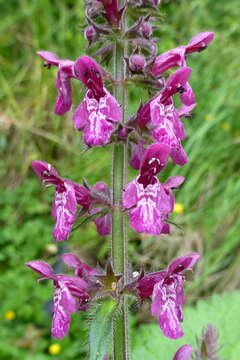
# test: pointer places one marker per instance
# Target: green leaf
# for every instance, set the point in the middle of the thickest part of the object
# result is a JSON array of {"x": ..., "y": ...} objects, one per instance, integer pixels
[
  {"x": 101, "y": 329},
  {"x": 222, "y": 311}
]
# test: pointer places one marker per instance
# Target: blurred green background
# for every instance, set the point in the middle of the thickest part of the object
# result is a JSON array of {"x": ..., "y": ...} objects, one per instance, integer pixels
[{"x": 208, "y": 223}]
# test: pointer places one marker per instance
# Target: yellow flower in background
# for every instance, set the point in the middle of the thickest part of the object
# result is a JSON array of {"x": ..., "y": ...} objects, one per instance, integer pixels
[
  {"x": 178, "y": 208},
  {"x": 54, "y": 349},
  {"x": 10, "y": 315},
  {"x": 209, "y": 117},
  {"x": 225, "y": 126}
]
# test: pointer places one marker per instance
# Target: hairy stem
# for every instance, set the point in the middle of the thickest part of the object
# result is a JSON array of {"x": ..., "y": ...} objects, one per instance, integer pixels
[{"x": 119, "y": 233}]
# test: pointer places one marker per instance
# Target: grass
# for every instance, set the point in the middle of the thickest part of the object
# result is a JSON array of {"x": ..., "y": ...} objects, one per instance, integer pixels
[{"x": 31, "y": 131}]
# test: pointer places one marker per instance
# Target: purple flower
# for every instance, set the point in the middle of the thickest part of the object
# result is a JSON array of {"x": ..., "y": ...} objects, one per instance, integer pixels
[
  {"x": 67, "y": 289},
  {"x": 137, "y": 152},
  {"x": 169, "y": 59},
  {"x": 137, "y": 63},
  {"x": 163, "y": 119},
  {"x": 145, "y": 29},
  {"x": 199, "y": 42},
  {"x": 90, "y": 34},
  {"x": 166, "y": 289},
  {"x": 81, "y": 269},
  {"x": 112, "y": 12},
  {"x": 172, "y": 183},
  {"x": 149, "y": 202},
  {"x": 98, "y": 112},
  {"x": 100, "y": 195},
  {"x": 177, "y": 56},
  {"x": 183, "y": 353},
  {"x": 63, "y": 84},
  {"x": 67, "y": 196}
]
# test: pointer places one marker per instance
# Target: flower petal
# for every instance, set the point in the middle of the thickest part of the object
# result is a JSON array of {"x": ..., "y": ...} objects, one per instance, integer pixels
[
  {"x": 100, "y": 194},
  {"x": 154, "y": 160},
  {"x": 45, "y": 171},
  {"x": 183, "y": 263},
  {"x": 149, "y": 213},
  {"x": 96, "y": 118},
  {"x": 82, "y": 195},
  {"x": 199, "y": 42},
  {"x": 63, "y": 306},
  {"x": 71, "y": 260},
  {"x": 169, "y": 59},
  {"x": 112, "y": 13},
  {"x": 165, "y": 308},
  {"x": 64, "y": 211},
  {"x": 185, "y": 110},
  {"x": 179, "y": 156},
  {"x": 130, "y": 195},
  {"x": 146, "y": 284},
  {"x": 49, "y": 57},
  {"x": 174, "y": 182},
  {"x": 80, "y": 116},
  {"x": 137, "y": 152},
  {"x": 188, "y": 97},
  {"x": 64, "y": 98},
  {"x": 103, "y": 224},
  {"x": 89, "y": 72},
  {"x": 82, "y": 270},
  {"x": 42, "y": 268},
  {"x": 179, "y": 78},
  {"x": 167, "y": 129}
]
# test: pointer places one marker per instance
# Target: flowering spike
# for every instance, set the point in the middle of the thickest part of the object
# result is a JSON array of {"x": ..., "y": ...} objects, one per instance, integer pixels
[{"x": 208, "y": 344}]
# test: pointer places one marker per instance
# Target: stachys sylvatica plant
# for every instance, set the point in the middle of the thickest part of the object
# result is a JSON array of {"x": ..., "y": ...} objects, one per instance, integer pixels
[{"x": 123, "y": 33}]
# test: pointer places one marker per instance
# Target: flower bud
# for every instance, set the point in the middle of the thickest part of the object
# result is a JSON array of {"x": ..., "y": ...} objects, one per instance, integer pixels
[
  {"x": 137, "y": 63},
  {"x": 145, "y": 29},
  {"x": 90, "y": 34},
  {"x": 183, "y": 353}
]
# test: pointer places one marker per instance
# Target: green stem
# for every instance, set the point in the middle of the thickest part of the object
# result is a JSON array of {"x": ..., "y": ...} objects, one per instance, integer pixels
[{"x": 119, "y": 241}]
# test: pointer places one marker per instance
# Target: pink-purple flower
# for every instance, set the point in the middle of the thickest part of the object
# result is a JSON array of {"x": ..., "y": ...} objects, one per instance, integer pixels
[
  {"x": 161, "y": 117},
  {"x": 68, "y": 195},
  {"x": 112, "y": 12},
  {"x": 167, "y": 292},
  {"x": 97, "y": 115},
  {"x": 71, "y": 294},
  {"x": 100, "y": 196},
  {"x": 177, "y": 56},
  {"x": 63, "y": 84},
  {"x": 148, "y": 201},
  {"x": 81, "y": 269}
]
